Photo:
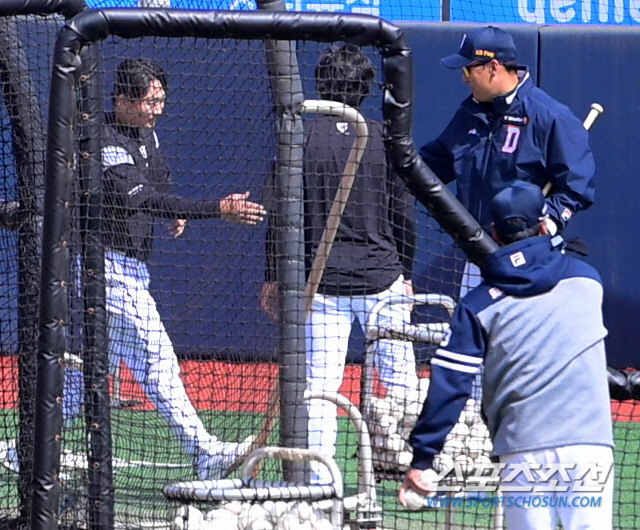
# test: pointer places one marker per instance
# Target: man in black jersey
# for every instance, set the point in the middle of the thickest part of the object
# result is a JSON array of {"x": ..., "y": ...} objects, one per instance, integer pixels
[{"x": 371, "y": 257}]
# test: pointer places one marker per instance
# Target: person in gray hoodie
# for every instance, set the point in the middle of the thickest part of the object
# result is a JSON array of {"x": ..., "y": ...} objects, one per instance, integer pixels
[{"x": 535, "y": 324}]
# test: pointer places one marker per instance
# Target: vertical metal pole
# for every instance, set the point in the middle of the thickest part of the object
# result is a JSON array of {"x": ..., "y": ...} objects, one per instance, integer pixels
[{"x": 289, "y": 220}]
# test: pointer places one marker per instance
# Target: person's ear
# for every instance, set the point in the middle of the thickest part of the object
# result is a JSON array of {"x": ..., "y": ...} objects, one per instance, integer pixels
[{"x": 495, "y": 236}]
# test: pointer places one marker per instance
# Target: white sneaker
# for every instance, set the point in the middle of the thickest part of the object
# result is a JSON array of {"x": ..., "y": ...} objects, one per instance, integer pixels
[
  {"x": 69, "y": 461},
  {"x": 216, "y": 466},
  {"x": 9, "y": 455}
]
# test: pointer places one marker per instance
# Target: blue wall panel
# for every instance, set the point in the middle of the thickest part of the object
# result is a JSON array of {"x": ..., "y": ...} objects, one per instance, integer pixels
[{"x": 601, "y": 65}]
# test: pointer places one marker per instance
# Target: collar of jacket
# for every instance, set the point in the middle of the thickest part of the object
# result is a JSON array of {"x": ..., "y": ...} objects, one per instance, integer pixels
[{"x": 501, "y": 104}]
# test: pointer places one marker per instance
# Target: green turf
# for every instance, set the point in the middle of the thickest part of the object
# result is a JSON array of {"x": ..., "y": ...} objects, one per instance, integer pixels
[{"x": 144, "y": 436}]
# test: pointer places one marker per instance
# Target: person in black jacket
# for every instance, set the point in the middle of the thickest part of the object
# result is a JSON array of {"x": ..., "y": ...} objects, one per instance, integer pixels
[
  {"x": 371, "y": 258},
  {"x": 137, "y": 190}
]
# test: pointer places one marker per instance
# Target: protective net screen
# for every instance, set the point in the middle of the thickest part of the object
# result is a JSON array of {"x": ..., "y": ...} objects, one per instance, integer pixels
[
  {"x": 192, "y": 311},
  {"x": 26, "y": 44},
  {"x": 192, "y": 343}
]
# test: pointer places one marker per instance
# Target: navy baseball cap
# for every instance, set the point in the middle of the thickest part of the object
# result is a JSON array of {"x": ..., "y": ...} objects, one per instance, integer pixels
[
  {"x": 483, "y": 45},
  {"x": 517, "y": 207}
]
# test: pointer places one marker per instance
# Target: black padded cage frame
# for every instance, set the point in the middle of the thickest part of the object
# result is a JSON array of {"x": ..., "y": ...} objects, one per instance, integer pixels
[
  {"x": 72, "y": 74},
  {"x": 19, "y": 95}
]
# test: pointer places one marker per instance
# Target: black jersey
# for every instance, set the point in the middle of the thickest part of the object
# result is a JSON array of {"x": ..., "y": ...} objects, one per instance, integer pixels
[
  {"x": 137, "y": 189},
  {"x": 376, "y": 237}
]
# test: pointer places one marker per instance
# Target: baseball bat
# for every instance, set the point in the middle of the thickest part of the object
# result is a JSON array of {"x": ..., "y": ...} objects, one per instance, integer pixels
[
  {"x": 326, "y": 241},
  {"x": 594, "y": 113}
]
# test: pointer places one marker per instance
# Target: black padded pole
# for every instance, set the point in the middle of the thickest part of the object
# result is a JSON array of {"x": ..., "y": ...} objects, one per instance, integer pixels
[{"x": 286, "y": 88}]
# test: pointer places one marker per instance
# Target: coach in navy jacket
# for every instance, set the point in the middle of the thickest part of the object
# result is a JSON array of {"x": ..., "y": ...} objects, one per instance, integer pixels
[
  {"x": 510, "y": 129},
  {"x": 535, "y": 323}
]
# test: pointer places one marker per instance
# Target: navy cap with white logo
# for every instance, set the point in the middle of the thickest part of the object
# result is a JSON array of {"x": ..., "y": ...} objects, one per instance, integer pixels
[
  {"x": 483, "y": 45},
  {"x": 517, "y": 207}
]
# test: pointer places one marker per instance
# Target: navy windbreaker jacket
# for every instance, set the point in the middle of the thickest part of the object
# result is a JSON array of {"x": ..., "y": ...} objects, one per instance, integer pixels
[{"x": 525, "y": 135}]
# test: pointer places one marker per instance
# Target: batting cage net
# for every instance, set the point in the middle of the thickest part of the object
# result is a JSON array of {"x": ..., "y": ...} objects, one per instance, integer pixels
[
  {"x": 219, "y": 187},
  {"x": 27, "y": 36}
]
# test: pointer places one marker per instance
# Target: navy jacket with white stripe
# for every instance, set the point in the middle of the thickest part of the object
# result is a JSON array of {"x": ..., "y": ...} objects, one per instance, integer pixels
[{"x": 536, "y": 324}]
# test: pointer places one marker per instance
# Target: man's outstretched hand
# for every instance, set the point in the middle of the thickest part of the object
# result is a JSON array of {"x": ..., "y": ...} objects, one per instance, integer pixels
[{"x": 235, "y": 208}]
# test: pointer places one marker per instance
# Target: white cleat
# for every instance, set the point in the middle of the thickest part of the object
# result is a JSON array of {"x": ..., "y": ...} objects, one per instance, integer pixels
[
  {"x": 9, "y": 455},
  {"x": 69, "y": 461},
  {"x": 216, "y": 466}
]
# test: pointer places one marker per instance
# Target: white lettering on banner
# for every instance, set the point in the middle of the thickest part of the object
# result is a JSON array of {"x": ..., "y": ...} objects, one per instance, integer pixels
[
  {"x": 562, "y": 11},
  {"x": 552, "y": 477},
  {"x": 329, "y": 7},
  {"x": 634, "y": 10},
  {"x": 578, "y": 11}
]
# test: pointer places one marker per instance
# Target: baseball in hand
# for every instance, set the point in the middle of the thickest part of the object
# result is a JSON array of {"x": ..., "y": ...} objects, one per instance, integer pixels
[
  {"x": 413, "y": 500},
  {"x": 417, "y": 501}
]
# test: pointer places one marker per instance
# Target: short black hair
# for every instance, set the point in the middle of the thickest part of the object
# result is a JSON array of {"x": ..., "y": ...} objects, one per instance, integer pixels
[
  {"x": 134, "y": 77},
  {"x": 512, "y": 237},
  {"x": 344, "y": 74}
]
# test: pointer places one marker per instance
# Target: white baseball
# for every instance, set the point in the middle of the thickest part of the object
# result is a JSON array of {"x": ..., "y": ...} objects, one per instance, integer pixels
[
  {"x": 256, "y": 524},
  {"x": 453, "y": 447},
  {"x": 302, "y": 509},
  {"x": 475, "y": 447},
  {"x": 188, "y": 517},
  {"x": 255, "y": 512},
  {"x": 413, "y": 500},
  {"x": 460, "y": 431},
  {"x": 470, "y": 407},
  {"x": 465, "y": 463},
  {"x": 388, "y": 424},
  {"x": 288, "y": 521},
  {"x": 322, "y": 524},
  {"x": 234, "y": 507},
  {"x": 442, "y": 461},
  {"x": 381, "y": 407},
  {"x": 278, "y": 509},
  {"x": 479, "y": 431},
  {"x": 423, "y": 385},
  {"x": 404, "y": 458}
]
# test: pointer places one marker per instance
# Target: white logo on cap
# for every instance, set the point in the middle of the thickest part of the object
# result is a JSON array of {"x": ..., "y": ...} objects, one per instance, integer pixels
[
  {"x": 464, "y": 38},
  {"x": 517, "y": 259},
  {"x": 343, "y": 127}
]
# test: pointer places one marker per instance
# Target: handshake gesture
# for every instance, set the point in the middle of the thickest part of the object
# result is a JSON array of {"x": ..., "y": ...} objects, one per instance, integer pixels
[{"x": 235, "y": 208}]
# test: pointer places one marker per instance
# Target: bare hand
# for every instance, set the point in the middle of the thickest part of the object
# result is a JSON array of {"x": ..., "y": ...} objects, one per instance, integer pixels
[
  {"x": 412, "y": 480},
  {"x": 236, "y": 208},
  {"x": 178, "y": 228},
  {"x": 408, "y": 291},
  {"x": 270, "y": 299}
]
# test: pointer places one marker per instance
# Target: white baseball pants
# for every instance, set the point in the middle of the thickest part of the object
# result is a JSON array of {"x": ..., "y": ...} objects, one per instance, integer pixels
[
  {"x": 138, "y": 337},
  {"x": 588, "y": 509},
  {"x": 327, "y": 339}
]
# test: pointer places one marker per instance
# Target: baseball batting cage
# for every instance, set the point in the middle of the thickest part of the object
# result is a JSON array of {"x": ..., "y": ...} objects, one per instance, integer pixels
[
  {"x": 151, "y": 352},
  {"x": 238, "y": 92}
]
